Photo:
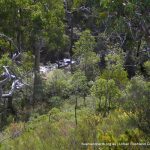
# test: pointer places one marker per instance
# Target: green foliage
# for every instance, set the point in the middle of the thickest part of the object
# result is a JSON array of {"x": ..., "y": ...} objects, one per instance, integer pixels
[
  {"x": 58, "y": 131},
  {"x": 107, "y": 92},
  {"x": 27, "y": 61},
  {"x": 114, "y": 67},
  {"x": 26, "y": 21},
  {"x": 85, "y": 55},
  {"x": 5, "y": 46},
  {"x": 58, "y": 84},
  {"x": 5, "y": 61},
  {"x": 137, "y": 102},
  {"x": 54, "y": 27},
  {"x": 79, "y": 83},
  {"x": 147, "y": 67},
  {"x": 118, "y": 32},
  {"x": 85, "y": 44},
  {"x": 119, "y": 75},
  {"x": 78, "y": 3},
  {"x": 79, "y": 88}
]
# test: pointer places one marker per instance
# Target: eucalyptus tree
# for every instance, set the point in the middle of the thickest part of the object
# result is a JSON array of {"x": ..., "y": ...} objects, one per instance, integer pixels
[
  {"x": 48, "y": 31},
  {"x": 107, "y": 92},
  {"x": 16, "y": 21},
  {"x": 34, "y": 26},
  {"x": 79, "y": 88},
  {"x": 84, "y": 53},
  {"x": 115, "y": 67}
]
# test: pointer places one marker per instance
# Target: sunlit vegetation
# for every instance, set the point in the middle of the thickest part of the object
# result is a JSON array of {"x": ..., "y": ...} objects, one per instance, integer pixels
[{"x": 74, "y": 75}]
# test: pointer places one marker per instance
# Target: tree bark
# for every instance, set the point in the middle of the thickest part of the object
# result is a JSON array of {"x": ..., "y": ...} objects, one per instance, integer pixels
[
  {"x": 71, "y": 43},
  {"x": 106, "y": 100},
  {"x": 36, "y": 75},
  {"x": 76, "y": 104},
  {"x": 84, "y": 97},
  {"x": 10, "y": 105}
]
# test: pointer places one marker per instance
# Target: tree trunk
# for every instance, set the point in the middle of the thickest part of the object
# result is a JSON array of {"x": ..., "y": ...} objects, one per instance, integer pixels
[
  {"x": 109, "y": 105},
  {"x": 10, "y": 105},
  {"x": 99, "y": 107},
  {"x": 76, "y": 104},
  {"x": 84, "y": 100},
  {"x": 36, "y": 75},
  {"x": 71, "y": 43},
  {"x": 106, "y": 100}
]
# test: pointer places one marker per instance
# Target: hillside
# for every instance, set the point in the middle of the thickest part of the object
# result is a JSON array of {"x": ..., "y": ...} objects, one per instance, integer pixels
[
  {"x": 57, "y": 130},
  {"x": 74, "y": 74}
]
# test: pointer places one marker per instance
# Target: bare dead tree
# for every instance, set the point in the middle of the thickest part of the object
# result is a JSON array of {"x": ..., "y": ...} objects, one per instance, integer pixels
[
  {"x": 4, "y": 81},
  {"x": 9, "y": 77}
]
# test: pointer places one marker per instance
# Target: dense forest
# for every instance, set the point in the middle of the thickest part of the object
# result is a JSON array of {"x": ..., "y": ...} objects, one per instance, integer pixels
[{"x": 74, "y": 74}]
